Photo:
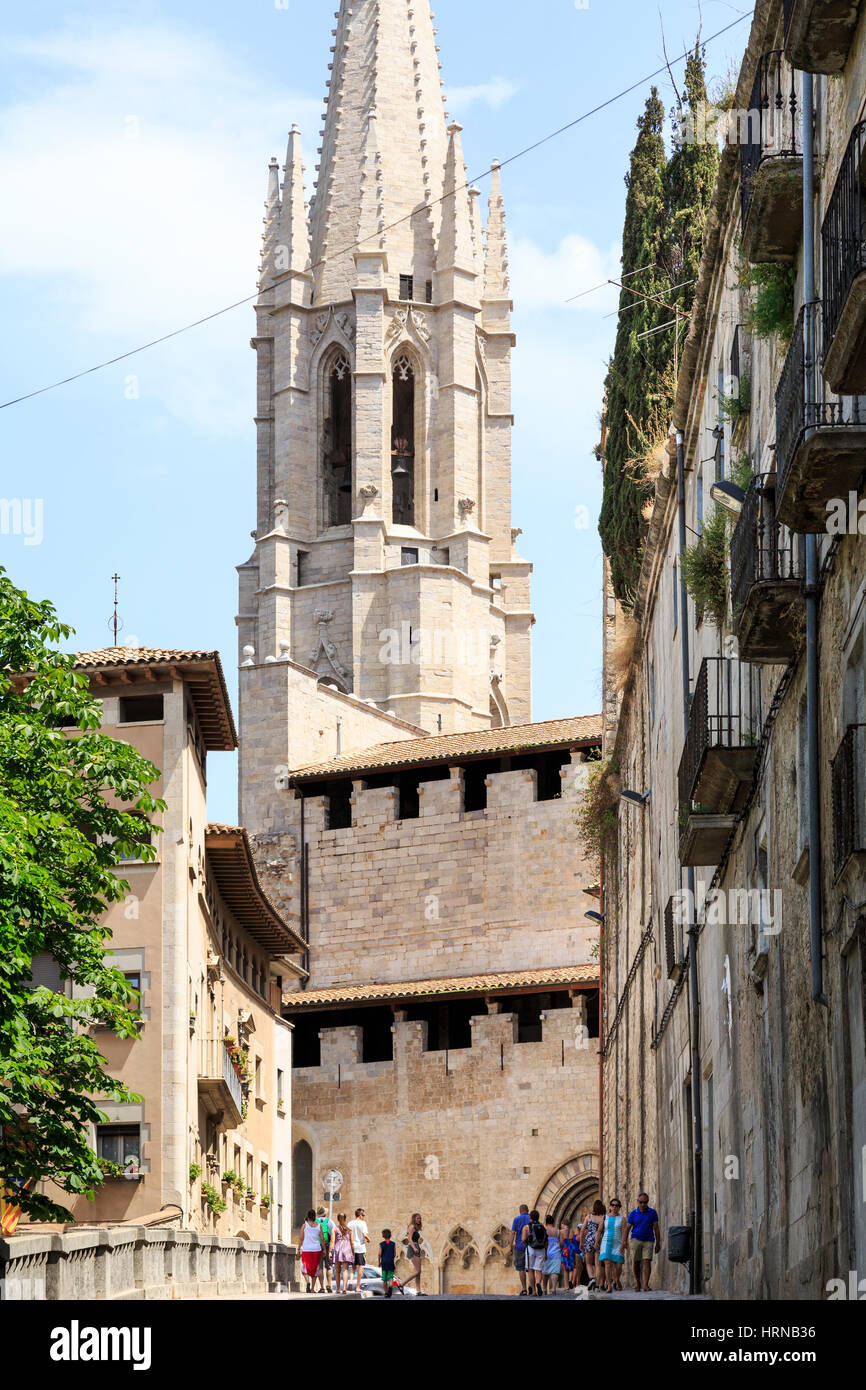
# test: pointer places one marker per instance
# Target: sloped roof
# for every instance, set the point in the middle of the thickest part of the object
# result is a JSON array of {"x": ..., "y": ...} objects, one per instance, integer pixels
[
  {"x": 582, "y": 730},
  {"x": 202, "y": 672},
  {"x": 557, "y": 977},
  {"x": 229, "y": 856}
]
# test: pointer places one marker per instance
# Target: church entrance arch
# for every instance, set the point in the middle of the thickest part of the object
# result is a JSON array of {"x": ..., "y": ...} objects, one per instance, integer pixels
[{"x": 570, "y": 1190}]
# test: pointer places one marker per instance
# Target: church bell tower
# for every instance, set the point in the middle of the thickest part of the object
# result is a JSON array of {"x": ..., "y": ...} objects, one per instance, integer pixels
[{"x": 384, "y": 557}]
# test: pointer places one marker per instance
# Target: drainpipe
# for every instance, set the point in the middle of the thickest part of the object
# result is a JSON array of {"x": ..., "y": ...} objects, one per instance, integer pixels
[
  {"x": 816, "y": 936},
  {"x": 695, "y": 1017},
  {"x": 602, "y": 943}
]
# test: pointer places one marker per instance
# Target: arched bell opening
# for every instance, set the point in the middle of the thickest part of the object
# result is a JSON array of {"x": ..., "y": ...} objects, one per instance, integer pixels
[
  {"x": 337, "y": 484},
  {"x": 403, "y": 442}
]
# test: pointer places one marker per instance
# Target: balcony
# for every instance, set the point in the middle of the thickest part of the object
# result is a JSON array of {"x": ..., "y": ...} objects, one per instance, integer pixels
[
  {"x": 717, "y": 767},
  {"x": 818, "y": 33},
  {"x": 219, "y": 1086},
  {"x": 820, "y": 444},
  {"x": 843, "y": 238},
  {"x": 771, "y": 164},
  {"x": 848, "y": 797},
  {"x": 740, "y": 386},
  {"x": 766, "y": 579}
]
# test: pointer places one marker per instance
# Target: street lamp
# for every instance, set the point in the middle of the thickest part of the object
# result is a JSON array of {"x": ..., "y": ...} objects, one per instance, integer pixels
[
  {"x": 636, "y": 798},
  {"x": 728, "y": 496}
]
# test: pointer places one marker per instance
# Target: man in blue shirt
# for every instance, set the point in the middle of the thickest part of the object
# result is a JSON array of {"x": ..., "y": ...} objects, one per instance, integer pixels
[
  {"x": 518, "y": 1248},
  {"x": 642, "y": 1233}
]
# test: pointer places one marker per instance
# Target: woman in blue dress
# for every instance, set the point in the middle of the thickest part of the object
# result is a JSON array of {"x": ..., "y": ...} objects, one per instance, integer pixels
[{"x": 610, "y": 1253}]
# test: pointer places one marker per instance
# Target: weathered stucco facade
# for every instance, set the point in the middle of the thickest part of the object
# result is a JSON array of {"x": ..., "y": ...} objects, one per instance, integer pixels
[{"x": 775, "y": 1165}]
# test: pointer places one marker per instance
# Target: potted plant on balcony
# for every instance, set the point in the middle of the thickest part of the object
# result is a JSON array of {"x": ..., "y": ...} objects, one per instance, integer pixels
[
  {"x": 212, "y": 1199},
  {"x": 194, "y": 1173},
  {"x": 250, "y": 1197},
  {"x": 704, "y": 568},
  {"x": 265, "y": 1202}
]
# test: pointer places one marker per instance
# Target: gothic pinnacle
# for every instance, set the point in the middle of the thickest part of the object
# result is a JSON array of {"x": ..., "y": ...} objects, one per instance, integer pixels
[
  {"x": 497, "y": 285},
  {"x": 271, "y": 236},
  {"x": 456, "y": 242},
  {"x": 294, "y": 240}
]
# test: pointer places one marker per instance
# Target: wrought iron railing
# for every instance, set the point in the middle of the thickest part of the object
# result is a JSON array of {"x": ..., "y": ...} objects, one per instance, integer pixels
[
  {"x": 794, "y": 415},
  {"x": 843, "y": 235},
  {"x": 671, "y": 961},
  {"x": 848, "y": 794},
  {"x": 761, "y": 548},
  {"x": 216, "y": 1065},
  {"x": 735, "y": 362},
  {"x": 773, "y": 122},
  {"x": 725, "y": 713}
]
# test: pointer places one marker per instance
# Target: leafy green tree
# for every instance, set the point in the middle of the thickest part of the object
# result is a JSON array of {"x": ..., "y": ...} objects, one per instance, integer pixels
[
  {"x": 72, "y": 804},
  {"x": 690, "y": 180}
]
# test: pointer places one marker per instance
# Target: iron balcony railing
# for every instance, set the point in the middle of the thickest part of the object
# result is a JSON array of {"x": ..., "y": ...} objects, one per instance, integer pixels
[
  {"x": 794, "y": 416},
  {"x": 735, "y": 362},
  {"x": 725, "y": 713},
  {"x": 761, "y": 547},
  {"x": 848, "y": 795},
  {"x": 216, "y": 1065},
  {"x": 773, "y": 121},
  {"x": 843, "y": 235}
]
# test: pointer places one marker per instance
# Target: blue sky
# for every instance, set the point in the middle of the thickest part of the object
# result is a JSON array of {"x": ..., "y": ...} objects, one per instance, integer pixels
[{"x": 134, "y": 142}]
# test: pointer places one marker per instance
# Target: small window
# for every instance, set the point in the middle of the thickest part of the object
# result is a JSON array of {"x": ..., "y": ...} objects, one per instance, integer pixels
[
  {"x": 407, "y": 286},
  {"x": 257, "y": 1092},
  {"x": 303, "y": 568},
  {"x": 435, "y": 494},
  {"x": 428, "y": 291},
  {"x": 281, "y": 1098},
  {"x": 141, "y": 709},
  {"x": 119, "y": 1144},
  {"x": 408, "y": 556}
]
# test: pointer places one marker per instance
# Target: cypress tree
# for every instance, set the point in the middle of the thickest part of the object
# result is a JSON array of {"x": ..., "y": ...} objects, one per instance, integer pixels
[
  {"x": 691, "y": 177},
  {"x": 665, "y": 213},
  {"x": 634, "y": 409}
]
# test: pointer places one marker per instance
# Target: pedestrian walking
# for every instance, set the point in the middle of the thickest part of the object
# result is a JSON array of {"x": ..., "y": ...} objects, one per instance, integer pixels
[
  {"x": 388, "y": 1262},
  {"x": 588, "y": 1240},
  {"x": 536, "y": 1254},
  {"x": 641, "y": 1238},
  {"x": 311, "y": 1250},
  {"x": 610, "y": 1246},
  {"x": 553, "y": 1257},
  {"x": 413, "y": 1251},
  {"x": 518, "y": 1248},
  {"x": 360, "y": 1236},
  {"x": 343, "y": 1255},
  {"x": 327, "y": 1229},
  {"x": 569, "y": 1246}
]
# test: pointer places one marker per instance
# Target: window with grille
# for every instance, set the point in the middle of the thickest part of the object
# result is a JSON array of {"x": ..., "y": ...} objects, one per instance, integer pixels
[{"x": 407, "y": 286}]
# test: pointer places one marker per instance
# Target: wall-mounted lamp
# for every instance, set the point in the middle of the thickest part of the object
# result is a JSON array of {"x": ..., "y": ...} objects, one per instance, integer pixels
[
  {"x": 636, "y": 798},
  {"x": 728, "y": 496},
  {"x": 596, "y": 917}
]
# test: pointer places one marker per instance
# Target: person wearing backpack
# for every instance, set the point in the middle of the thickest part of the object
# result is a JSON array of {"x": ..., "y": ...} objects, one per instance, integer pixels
[
  {"x": 535, "y": 1239},
  {"x": 327, "y": 1229}
]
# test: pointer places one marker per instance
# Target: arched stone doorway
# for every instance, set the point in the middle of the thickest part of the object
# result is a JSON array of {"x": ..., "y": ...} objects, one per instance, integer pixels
[
  {"x": 570, "y": 1190},
  {"x": 302, "y": 1182}
]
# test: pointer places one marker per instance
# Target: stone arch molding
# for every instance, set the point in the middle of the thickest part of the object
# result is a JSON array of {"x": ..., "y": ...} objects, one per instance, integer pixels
[
  {"x": 569, "y": 1186},
  {"x": 409, "y": 327},
  {"x": 461, "y": 1244}
]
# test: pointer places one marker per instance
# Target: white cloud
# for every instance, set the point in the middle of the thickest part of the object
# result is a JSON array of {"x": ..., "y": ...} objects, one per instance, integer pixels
[
  {"x": 548, "y": 279},
  {"x": 494, "y": 93},
  {"x": 134, "y": 183}
]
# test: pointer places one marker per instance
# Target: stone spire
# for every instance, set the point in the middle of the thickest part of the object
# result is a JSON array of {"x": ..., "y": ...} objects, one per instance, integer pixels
[
  {"x": 497, "y": 286},
  {"x": 477, "y": 233},
  {"x": 294, "y": 240},
  {"x": 384, "y": 59},
  {"x": 456, "y": 241},
  {"x": 371, "y": 217},
  {"x": 271, "y": 237}
]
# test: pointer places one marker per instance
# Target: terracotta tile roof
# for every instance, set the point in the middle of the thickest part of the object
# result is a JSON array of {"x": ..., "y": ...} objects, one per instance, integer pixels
[
  {"x": 445, "y": 748},
  {"x": 511, "y": 981},
  {"x": 229, "y": 856},
  {"x": 202, "y": 672}
]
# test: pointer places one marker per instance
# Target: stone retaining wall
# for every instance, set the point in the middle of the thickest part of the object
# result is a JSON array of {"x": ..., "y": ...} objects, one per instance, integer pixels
[{"x": 138, "y": 1262}]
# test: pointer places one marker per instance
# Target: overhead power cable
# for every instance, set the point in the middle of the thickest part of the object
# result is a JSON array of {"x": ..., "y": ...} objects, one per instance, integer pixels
[{"x": 251, "y": 298}]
